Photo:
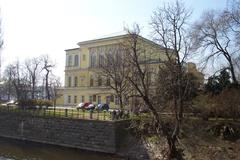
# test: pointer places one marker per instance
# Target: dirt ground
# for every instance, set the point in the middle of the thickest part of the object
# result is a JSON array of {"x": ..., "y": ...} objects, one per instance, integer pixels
[{"x": 199, "y": 143}]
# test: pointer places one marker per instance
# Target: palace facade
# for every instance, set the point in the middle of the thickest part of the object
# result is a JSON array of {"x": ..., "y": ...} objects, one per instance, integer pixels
[{"x": 82, "y": 81}]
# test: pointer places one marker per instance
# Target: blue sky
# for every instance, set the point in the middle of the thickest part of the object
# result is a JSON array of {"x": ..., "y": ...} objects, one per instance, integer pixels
[{"x": 35, "y": 27}]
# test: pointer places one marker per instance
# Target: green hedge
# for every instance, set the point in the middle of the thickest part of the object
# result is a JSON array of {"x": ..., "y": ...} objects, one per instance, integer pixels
[{"x": 35, "y": 102}]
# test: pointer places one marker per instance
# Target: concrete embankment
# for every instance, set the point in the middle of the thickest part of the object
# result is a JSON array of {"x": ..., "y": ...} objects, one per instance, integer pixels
[{"x": 93, "y": 135}]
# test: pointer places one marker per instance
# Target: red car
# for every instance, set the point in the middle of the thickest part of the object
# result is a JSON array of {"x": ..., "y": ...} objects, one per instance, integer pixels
[{"x": 83, "y": 105}]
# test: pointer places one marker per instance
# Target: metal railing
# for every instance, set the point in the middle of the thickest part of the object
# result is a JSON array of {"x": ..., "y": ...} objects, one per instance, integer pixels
[{"x": 63, "y": 113}]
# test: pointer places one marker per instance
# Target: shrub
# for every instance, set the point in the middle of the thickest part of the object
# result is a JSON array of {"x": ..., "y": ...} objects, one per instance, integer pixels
[
  {"x": 35, "y": 102},
  {"x": 227, "y": 131},
  {"x": 225, "y": 105}
]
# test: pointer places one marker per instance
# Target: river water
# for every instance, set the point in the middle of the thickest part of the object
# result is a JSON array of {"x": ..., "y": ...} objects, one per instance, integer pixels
[{"x": 23, "y": 150}]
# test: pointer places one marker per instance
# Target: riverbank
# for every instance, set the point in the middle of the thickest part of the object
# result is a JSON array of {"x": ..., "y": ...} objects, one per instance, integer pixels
[
  {"x": 114, "y": 137},
  {"x": 199, "y": 140}
]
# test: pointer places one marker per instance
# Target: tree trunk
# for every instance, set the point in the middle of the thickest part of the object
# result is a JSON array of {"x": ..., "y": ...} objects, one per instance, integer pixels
[
  {"x": 121, "y": 101},
  {"x": 46, "y": 87},
  {"x": 172, "y": 149},
  {"x": 233, "y": 73},
  {"x": 33, "y": 85},
  {"x": 33, "y": 90},
  {"x": 9, "y": 91}
]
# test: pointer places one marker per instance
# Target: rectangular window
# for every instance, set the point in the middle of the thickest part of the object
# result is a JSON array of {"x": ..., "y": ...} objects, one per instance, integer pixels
[
  {"x": 108, "y": 99},
  {"x": 116, "y": 100},
  {"x": 75, "y": 99},
  {"x": 94, "y": 98},
  {"x": 90, "y": 99},
  {"x": 112, "y": 98},
  {"x": 75, "y": 81},
  {"x": 99, "y": 100},
  {"x": 91, "y": 82},
  {"x": 69, "y": 99},
  {"x": 82, "y": 99}
]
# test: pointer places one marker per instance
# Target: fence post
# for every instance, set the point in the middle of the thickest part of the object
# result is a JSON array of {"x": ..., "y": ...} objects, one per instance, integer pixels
[
  {"x": 77, "y": 113},
  {"x": 91, "y": 114},
  {"x": 54, "y": 112},
  {"x": 44, "y": 112},
  {"x": 97, "y": 114},
  {"x": 83, "y": 113},
  {"x": 104, "y": 115},
  {"x": 66, "y": 112}
]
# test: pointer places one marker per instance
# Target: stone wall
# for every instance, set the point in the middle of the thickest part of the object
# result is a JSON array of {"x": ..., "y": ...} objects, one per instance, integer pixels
[{"x": 94, "y": 135}]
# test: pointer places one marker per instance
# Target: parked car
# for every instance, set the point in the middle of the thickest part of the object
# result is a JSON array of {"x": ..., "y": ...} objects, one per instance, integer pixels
[
  {"x": 82, "y": 105},
  {"x": 103, "y": 107},
  {"x": 90, "y": 107},
  {"x": 10, "y": 103}
]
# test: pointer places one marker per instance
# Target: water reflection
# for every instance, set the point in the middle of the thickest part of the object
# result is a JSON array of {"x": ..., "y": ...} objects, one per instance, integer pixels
[{"x": 22, "y": 150}]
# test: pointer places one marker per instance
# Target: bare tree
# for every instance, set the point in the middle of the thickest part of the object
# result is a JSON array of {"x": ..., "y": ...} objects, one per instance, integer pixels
[
  {"x": 115, "y": 69},
  {"x": 8, "y": 74},
  {"x": 47, "y": 66},
  {"x": 232, "y": 13},
  {"x": 169, "y": 24},
  {"x": 17, "y": 79},
  {"x": 54, "y": 86},
  {"x": 23, "y": 78},
  {"x": 138, "y": 60},
  {"x": 33, "y": 69},
  {"x": 212, "y": 36}
]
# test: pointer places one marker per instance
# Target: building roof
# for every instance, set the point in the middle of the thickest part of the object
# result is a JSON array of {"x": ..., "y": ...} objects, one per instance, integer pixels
[
  {"x": 121, "y": 33},
  {"x": 71, "y": 49},
  {"x": 113, "y": 36}
]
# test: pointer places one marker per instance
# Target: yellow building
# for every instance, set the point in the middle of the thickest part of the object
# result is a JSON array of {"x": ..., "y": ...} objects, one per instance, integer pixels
[{"x": 82, "y": 81}]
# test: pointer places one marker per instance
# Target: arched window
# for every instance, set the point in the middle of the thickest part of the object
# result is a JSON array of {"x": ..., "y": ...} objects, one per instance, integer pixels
[
  {"x": 99, "y": 81},
  {"x": 101, "y": 60},
  {"x": 76, "y": 60},
  {"x": 69, "y": 60},
  {"x": 69, "y": 81},
  {"x": 91, "y": 81},
  {"x": 93, "y": 60},
  {"x": 108, "y": 81}
]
